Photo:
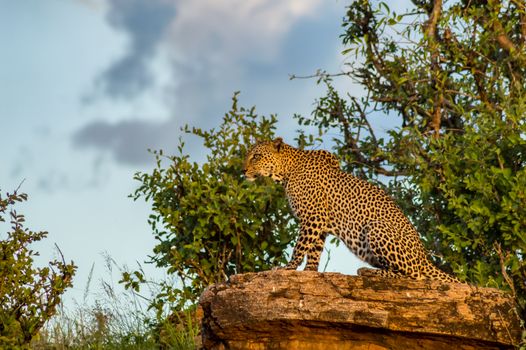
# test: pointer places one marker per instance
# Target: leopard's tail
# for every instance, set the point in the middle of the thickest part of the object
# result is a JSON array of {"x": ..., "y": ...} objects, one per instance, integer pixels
[{"x": 433, "y": 272}]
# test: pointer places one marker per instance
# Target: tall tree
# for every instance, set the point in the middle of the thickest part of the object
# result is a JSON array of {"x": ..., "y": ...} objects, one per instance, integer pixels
[{"x": 450, "y": 79}]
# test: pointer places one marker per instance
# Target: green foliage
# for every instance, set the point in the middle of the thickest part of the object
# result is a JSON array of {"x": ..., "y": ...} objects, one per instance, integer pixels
[
  {"x": 209, "y": 221},
  {"x": 113, "y": 319},
  {"x": 181, "y": 330},
  {"x": 450, "y": 80},
  {"x": 29, "y": 295}
]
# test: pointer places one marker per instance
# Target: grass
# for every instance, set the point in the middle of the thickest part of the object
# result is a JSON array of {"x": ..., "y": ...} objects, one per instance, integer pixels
[{"x": 117, "y": 320}]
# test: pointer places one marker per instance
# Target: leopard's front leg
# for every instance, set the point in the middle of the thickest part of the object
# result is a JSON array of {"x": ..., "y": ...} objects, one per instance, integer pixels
[
  {"x": 298, "y": 253},
  {"x": 310, "y": 243},
  {"x": 315, "y": 250}
]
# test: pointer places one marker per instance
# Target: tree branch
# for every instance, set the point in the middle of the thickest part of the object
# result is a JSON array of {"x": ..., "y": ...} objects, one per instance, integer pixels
[
  {"x": 431, "y": 26},
  {"x": 501, "y": 37},
  {"x": 521, "y": 6},
  {"x": 503, "y": 40},
  {"x": 431, "y": 33},
  {"x": 352, "y": 144}
]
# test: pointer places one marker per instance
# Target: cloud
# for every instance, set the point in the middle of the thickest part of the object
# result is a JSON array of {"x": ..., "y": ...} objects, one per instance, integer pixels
[
  {"x": 211, "y": 49},
  {"x": 227, "y": 39},
  {"x": 129, "y": 140},
  {"x": 228, "y": 31},
  {"x": 144, "y": 21}
]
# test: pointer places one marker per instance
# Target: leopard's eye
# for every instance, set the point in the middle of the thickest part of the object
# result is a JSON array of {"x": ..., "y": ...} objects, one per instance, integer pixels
[{"x": 256, "y": 157}]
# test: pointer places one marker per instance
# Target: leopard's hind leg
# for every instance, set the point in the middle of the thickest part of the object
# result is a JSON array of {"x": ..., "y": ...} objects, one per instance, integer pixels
[
  {"x": 371, "y": 272},
  {"x": 401, "y": 255}
]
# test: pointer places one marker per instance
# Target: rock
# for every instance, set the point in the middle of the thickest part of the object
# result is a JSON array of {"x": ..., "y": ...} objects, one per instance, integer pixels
[{"x": 310, "y": 310}]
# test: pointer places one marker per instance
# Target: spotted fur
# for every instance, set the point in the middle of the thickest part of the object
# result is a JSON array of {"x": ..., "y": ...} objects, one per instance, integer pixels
[{"x": 327, "y": 200}]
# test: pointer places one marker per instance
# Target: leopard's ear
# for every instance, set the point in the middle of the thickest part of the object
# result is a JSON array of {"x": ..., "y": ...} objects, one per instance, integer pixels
[{"x": 277, "y": 143}]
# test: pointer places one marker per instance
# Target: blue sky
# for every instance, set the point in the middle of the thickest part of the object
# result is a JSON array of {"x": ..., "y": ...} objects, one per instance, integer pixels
[{"x": 87, "y": 86}]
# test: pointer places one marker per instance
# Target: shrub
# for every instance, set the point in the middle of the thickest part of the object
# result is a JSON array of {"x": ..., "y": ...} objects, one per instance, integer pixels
[
  {"x": 29, "y": 295},
  {"x": 210, "y": 223}
]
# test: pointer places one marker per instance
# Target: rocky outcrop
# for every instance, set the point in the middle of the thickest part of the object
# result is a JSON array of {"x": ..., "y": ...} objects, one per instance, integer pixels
[{"x": 311, "y": 310}]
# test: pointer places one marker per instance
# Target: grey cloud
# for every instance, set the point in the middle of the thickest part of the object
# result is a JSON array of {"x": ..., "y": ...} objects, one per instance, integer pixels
[
  {"x": 203, "y": 86},
  {"x": 53, "y": 181},
  {"x": 144, "y": 21},
  {"x": 128, "y": 141},
  {"x": 214, "y": 48}
]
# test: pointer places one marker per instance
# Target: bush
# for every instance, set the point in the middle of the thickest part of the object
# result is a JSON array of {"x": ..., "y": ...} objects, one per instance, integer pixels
[
  {"x": 29, "y": 295},
  {"x": 210, "y": 223},
  {"x": 114, "y": 319}
]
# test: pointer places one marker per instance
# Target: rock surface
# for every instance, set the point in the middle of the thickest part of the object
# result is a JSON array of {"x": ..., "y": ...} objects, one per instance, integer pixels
[{"x": 310, "y": 310}]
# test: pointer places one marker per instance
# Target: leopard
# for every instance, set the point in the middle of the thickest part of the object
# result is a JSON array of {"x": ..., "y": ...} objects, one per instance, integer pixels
[{"x": 327, "y": 200}]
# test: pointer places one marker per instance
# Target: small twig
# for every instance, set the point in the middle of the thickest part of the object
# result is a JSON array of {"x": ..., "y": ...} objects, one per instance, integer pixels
[
  {"x": 503, "y": 321},
  {"x": 60, "y": 253},
  {"x": 318, "y": 75},
  {"x": 505, "y": 275},
  {"x": 20, "y": 185}
]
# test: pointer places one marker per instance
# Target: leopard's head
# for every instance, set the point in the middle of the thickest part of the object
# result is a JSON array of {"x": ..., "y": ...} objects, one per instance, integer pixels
[{"x": 265, "y": 159}]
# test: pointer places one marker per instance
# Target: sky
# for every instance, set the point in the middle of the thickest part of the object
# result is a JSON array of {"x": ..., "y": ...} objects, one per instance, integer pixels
[{"x": 87, "y": 86}]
